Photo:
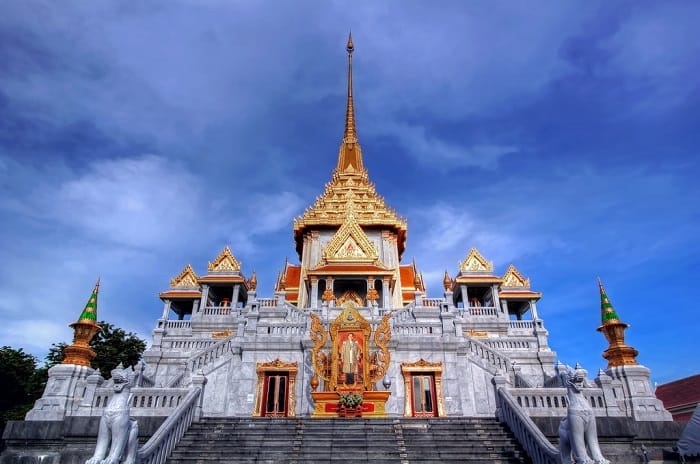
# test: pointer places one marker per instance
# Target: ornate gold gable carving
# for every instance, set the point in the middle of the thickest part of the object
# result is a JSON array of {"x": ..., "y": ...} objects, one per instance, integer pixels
[
  {"x": 187, "y": 279},
  {"x": 350, "y": 243},
  {"x": 224, "y": 262},
  {"x": 475, "y": 262},
  {"x": 513, "y": 278},
  {"x": 372, "y": 365},
  {"x": 350, "y": 295}
]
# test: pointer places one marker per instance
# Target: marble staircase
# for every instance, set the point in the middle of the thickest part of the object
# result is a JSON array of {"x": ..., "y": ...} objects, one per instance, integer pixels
[{"x": 252, "y": 440}]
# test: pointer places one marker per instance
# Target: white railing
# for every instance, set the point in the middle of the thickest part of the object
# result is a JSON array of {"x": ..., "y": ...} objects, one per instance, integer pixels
[
  {"x": 509, "y": 344},
  {"x": 521, "y": 325},
  {"x": 186, "y": 344},
  {"x": 490, "y": 356},
  {"x": 157, "y": 449},
  {"x": 295, "y": 314},
  {"x": 221, "y": 311},
  {"x": 540, "y": 450},
  {"x": 478, "y": 311},
  {"x": 543, "y": 402},
  {"x": 144, "y": 401},
  {"x": 211, "y": 354},
  {"x": 286, "y": 328},
  {"x": 267, "y": 302},
  {"x": 414, "y": 329},
  {"x": 433, "y": 302},
  {"x": 175, "y": 324}
]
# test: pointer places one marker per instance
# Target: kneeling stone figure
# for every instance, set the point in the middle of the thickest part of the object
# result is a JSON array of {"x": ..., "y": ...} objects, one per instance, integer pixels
[{"x": 118, "y": 432}]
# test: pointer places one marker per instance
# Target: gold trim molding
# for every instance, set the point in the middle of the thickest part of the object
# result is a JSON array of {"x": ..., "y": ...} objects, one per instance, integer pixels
[
  {"x": 422, "y": 366},
  {"x": 277, "y": 366}
]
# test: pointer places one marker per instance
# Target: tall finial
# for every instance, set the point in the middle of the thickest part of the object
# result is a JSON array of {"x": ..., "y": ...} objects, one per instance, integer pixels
[
  {"x": 84, "y": 329},
  {"x": 350, "y": 135},
  {"x": 618, "y": 353}
]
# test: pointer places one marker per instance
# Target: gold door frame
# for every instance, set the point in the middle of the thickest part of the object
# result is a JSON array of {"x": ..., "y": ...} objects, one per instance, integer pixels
[
  {"x": 350, "y": 320},
  {"x": 273, "y": 367},
  {"x": 422, "y": 367}
]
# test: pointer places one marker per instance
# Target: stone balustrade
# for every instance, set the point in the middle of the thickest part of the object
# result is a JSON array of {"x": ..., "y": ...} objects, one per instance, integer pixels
[
  {"x": 187, "y": 344},
  {"x": 415, "y": 329},
  {"x": 177, "y": 324},
  {"x": 509, "y": 344},
  {"x": 211, "y": 354},
  {"x": 492, "y": 358},
  {"x": 284, "y": 328},
  {"x": 144, "y": 401},
  {"x": 221, "y": 311},
  {"x": 433, "y": 302},
  {"x": 267, "y": 302},
  {"x": 542, "y": 402},
  {"x": 538, "y": 448},
  {"x": 477, "y": 311},
  {"x": 157, "y": 449}
]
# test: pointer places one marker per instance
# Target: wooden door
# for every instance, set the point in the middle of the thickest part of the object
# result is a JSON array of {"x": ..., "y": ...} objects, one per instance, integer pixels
[
  {"x": 423, "y": 395},
  {"x": 275, "y": 391}
]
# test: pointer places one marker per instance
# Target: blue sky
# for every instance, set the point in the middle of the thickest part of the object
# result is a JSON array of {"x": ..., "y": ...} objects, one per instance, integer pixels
[{"x": 136, "y": 138}]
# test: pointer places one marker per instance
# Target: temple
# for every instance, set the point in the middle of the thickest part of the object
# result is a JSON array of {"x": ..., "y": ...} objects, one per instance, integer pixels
[{"x": 351, "y": 319}]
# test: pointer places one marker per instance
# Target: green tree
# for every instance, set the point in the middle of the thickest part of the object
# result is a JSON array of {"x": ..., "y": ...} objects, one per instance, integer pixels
[
  {"x": 112, "y": 346},
  {"x": 22, "y": 383}
]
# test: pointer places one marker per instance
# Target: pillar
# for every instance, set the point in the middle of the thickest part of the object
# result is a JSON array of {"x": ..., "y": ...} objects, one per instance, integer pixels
[
  {"x": 314, "y": 292},
  {"x": 166, "y": 309}
]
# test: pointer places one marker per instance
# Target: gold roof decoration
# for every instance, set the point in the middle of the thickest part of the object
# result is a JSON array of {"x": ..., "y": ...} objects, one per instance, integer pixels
[
  {"x": 350, "y": 243},
  {"x": 185, "y": 279},
  {"x": 513, "y": 278},
  {"x": 350, "y": 183},
  {"x": 225, "y": 262},
  {"x": 475, "y": 262},
  {"x": 447, "y": 282}
]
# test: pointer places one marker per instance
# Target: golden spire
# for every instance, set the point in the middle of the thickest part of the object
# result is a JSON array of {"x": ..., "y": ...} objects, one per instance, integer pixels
[
  {"x": 84, "y": 329},
  {"x": 617, "y": 354},
  {"x": 350, "y": 190},
  {"x": 350, "y": 135},
  {"x": 350, "y": 156}
]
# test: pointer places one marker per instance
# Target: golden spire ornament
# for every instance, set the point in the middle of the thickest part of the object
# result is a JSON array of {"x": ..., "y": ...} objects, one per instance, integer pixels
[
  {"x": 84, "y": 329},
  {"x": 617, "y": 354}
]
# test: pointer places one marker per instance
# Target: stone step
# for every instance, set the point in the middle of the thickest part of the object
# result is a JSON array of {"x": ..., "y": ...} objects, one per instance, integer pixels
[{"x": 243, "y": 440}]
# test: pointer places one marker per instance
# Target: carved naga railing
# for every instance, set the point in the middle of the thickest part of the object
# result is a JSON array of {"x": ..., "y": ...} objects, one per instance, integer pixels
[
  {"x": 540, "y": 450},
  {"x": 157, "y": 449}
]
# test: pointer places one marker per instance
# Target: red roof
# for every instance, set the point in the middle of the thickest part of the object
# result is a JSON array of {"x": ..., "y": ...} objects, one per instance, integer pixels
[
  {"x": 680, "y": 393},
  {"x": 292, "y": 276},
  {"x": 408, "y": 277}
]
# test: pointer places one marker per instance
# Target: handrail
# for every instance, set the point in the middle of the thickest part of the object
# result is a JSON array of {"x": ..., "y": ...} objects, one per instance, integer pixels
[
  {"x": 540, "y": 450},
  {"x": 498, "y": 361},
  {"x": 209, "y": 355},
  {"x": 157, "y": 449}
]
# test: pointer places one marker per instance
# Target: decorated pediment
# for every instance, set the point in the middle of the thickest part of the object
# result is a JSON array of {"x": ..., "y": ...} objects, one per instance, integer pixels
[
  {"x": 475, "y": 262},
  {"x": 513, "y": 278},
  {"x": 350, "y": 244},
  {"x": 185, "y": 279},
  {"x": 225, "y": 262}
]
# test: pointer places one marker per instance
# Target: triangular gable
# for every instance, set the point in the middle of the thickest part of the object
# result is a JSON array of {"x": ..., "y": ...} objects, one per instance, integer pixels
[
  {"x": 225, "y": 262},
  {"x": 475, "y": 262},
  {"x": 185, "y": 279},
  {"x": 350, "y": 244},
  {"x": 513, "y": 278}
]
